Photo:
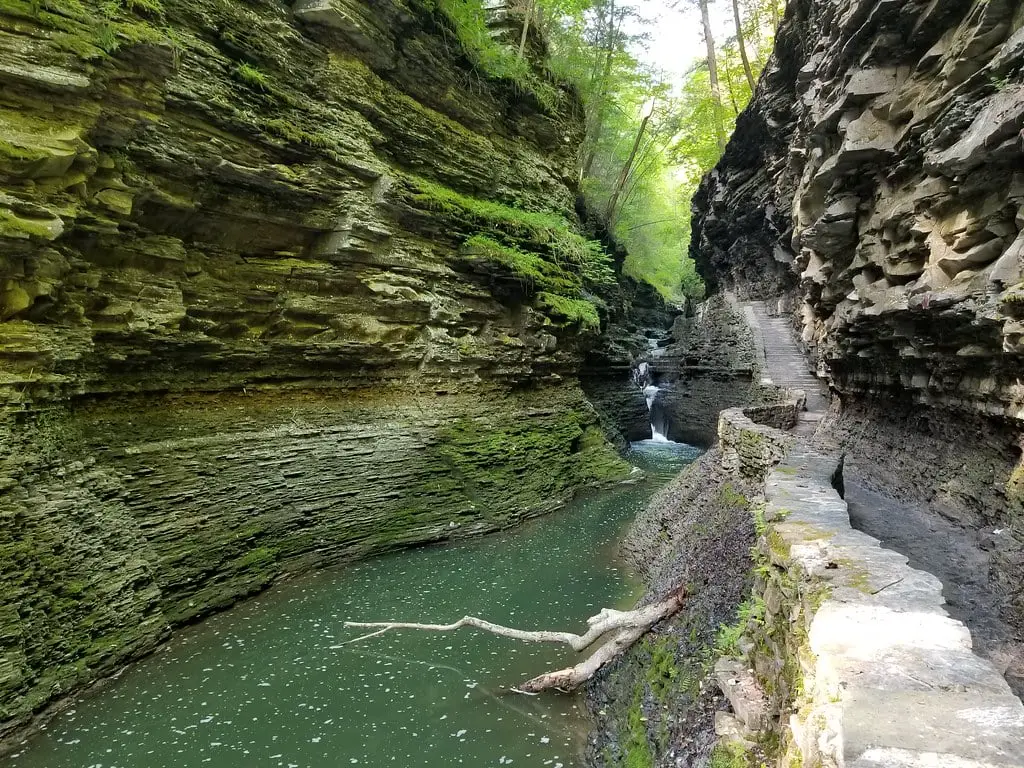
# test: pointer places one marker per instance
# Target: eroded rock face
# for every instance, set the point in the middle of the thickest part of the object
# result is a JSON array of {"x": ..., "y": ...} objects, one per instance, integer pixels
[
  {"x": 878, "y": 179},
  {"x": 241, "y": 328},
  {"x": 875, "y": 184}
]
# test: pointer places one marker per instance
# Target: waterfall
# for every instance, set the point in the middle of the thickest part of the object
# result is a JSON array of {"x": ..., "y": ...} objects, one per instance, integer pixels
[{"x": 642, "y": 379}]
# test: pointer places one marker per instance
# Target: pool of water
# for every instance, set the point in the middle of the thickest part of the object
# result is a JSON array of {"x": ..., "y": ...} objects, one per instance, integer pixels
[{"x": 270, "y": 682}]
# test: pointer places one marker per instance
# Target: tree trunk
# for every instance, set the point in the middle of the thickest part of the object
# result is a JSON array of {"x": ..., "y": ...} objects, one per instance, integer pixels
[
  {"x": 627, "y": 626},
  {"x": 732, "y": 91},
  {"x": 742, "y": 45},
  {"x": 621, "y": 182},
  {"x": 775, "y": 14},
  {"x": 526, "y": 27},
  {"x": 716, "y": 91},
  {"x": 611, "y": 40}
]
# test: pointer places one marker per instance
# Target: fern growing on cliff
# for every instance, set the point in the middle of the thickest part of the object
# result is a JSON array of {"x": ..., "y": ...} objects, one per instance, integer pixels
[
  {"x": 468, "y": 19},
  {"x": 547, "y": 229}
]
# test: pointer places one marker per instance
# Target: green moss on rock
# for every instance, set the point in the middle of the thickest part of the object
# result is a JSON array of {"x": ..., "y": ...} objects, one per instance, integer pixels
[{"x": 578, "y": 311}]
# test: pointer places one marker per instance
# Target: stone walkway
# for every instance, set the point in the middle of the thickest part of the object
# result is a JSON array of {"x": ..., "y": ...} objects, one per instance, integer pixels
[
  {"x": 931, "y": 542},
  {"x": 784, "y": 363},
  {"x": 896, "y": 683},
  {"x": 952, "y": 554}
]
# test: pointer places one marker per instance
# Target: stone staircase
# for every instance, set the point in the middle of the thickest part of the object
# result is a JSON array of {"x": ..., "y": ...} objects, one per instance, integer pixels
[
  {"x": 784, "y": 364},
  {"x": 852, "y": 660}
]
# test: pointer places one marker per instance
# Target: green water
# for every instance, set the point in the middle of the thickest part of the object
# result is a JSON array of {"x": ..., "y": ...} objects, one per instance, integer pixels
[{"x": 268, "y": 683}]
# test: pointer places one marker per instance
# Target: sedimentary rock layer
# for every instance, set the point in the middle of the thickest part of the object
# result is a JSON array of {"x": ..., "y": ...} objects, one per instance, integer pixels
[
  {"x": 280, "y": 285},
  {"x": 874, "y": 185},
  {"x": 128, "y": 518}
]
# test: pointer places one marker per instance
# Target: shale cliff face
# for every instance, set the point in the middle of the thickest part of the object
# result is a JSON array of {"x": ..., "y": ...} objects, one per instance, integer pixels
[
  {"x": 279, "y": 286},
  {"x": 874, "y": 185}
]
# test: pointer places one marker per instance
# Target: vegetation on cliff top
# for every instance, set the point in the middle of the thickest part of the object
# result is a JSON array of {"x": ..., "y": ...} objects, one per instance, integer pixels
[{"x": 649, "y": 139}]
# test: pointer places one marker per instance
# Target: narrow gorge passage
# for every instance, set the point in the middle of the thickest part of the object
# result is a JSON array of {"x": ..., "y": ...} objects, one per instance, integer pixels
[
  {"x": 269, "y": 682},
  {"x": 334, "y": 300},
  {"x": 959, "y": 557}
]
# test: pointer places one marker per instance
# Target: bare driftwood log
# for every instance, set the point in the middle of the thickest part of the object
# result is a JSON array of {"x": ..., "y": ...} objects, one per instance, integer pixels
[{"x": 625, "y": 628}]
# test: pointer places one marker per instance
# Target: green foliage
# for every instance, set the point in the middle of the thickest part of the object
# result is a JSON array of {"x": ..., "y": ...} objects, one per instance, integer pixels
[
  {"x": 760, "y": 523},
  {"x": 730, "y": 755},
  {"x": 578, "y": 311},
  {"x": 663, "y": 669},
  {"x": 93, "y": 30},
  {"x": 468, "y": 20},
  {"x": 733, "y": 498},
  {"x": 547, "y": 229},
  {"x": 694, "y": 150},
  {"x": 252, "y": 77},
  {"x": 652, "y": 188},
  {"x": 637, "y": 749},
  {"x": 649, "y": 216},
  {"x": 530, "y": 269},
  {"x": 751, "y": 611},
  {"x": 999, "y": 83}
]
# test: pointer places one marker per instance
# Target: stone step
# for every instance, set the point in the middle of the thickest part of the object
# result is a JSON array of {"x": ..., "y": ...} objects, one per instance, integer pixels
[
  {"x": 916, "y": 669},
  {"x": 745, "y": 696},
  {"x": 973, "y": 725}
]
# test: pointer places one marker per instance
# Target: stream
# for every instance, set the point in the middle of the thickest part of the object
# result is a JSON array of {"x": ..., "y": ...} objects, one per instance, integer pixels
[{"x": 269, "y": 682}]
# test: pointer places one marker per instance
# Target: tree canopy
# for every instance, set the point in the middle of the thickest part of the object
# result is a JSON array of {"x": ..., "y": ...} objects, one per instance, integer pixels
[{"x": 650, "y": 136}]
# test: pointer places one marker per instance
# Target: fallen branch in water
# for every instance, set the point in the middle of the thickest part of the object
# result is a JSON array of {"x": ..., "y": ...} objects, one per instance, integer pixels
[{"x": 627, "y": 626}]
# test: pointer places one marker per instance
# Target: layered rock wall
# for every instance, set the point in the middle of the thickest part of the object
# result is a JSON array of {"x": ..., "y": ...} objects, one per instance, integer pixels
[
  {"x": 280, "y": 285},
  {"x": 874, "y": 189}
]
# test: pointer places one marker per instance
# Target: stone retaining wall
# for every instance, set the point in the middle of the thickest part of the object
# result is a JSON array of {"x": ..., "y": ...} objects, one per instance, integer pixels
[
  {"x": 750, "y": 442},
  {"x": 848, "y": 657}
]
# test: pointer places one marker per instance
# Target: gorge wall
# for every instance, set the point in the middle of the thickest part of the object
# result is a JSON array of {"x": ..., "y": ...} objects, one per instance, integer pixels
[
  {"x": 265, "y": 303},
  {"x": 873, "y": 188}
]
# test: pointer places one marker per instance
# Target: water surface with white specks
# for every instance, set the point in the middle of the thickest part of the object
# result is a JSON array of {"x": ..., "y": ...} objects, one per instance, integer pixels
[{"x": 269, "y": 683}]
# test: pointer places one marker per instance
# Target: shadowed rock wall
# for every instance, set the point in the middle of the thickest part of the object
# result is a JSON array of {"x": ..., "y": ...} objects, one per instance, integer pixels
[
  {"x": 874, "y": 185},
  {"x": 279, "y": 286}
]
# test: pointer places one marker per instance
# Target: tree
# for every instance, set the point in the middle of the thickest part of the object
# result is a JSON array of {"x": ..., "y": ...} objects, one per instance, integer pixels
[
  {"x": 739, "y": 41},
  {"x": 628, "y": 166},
  {"x": 619, "y": 630},
  {"x": 625, "y": 164},
  {"x": 716, "y": 91},
  {"x": 527, "y": 15},
  {"x": 612, "y": 40}
]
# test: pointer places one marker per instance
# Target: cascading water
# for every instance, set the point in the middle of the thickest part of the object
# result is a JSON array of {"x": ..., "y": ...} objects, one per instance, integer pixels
[{"x": 642, "y": 378}]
